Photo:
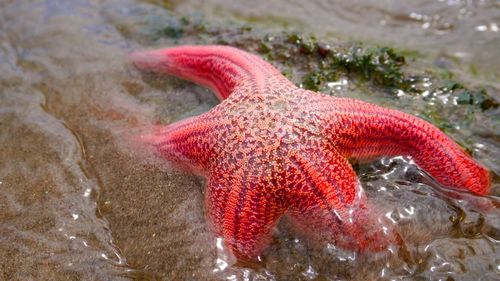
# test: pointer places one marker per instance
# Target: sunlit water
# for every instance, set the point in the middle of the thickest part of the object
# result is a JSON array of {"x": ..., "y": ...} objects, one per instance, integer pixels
[{"x": 79, "y": 202}]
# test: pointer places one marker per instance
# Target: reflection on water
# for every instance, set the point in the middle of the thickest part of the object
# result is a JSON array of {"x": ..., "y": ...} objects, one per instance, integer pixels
[{"x": 79, "y": 202}]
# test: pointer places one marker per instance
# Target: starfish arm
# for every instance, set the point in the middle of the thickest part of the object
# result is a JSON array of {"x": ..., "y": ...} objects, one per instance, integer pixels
[
  {"x": 326, "y": 202},
  {"x": 364, "y": 131},
  {"x": 220, "y": 68},
  {"x": 243, "y": 210},
  {"x": 186, "y": 143}
]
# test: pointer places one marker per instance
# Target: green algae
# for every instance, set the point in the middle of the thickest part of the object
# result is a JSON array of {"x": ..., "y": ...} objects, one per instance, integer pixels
[
  {"x": 380, "y": 66},
  {"x": 172, "y": 32}
]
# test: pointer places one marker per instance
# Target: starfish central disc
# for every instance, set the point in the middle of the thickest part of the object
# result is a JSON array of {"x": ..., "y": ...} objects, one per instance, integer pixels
[{"x": 271, "y": 149}]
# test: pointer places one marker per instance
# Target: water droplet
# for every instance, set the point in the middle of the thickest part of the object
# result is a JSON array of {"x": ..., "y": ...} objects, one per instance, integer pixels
[
  {"x": 87, "y": 192},
  {"x": 494, "y": 27},
  {"x": 481, "y": 28}
]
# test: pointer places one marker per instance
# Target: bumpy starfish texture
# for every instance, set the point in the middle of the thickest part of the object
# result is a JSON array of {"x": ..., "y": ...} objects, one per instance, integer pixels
[{"x": 271, "y": 149}]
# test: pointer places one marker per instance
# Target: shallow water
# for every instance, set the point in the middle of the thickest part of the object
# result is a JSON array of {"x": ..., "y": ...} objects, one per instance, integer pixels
[{"x": 79, "y": 202}]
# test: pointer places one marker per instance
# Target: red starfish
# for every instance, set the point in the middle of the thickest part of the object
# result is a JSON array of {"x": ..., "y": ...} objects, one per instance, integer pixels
[{"x": 271, "y": 148}]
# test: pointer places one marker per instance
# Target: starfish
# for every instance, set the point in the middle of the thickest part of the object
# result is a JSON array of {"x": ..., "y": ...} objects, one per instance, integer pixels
[{"x": 271, "y": 149}]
